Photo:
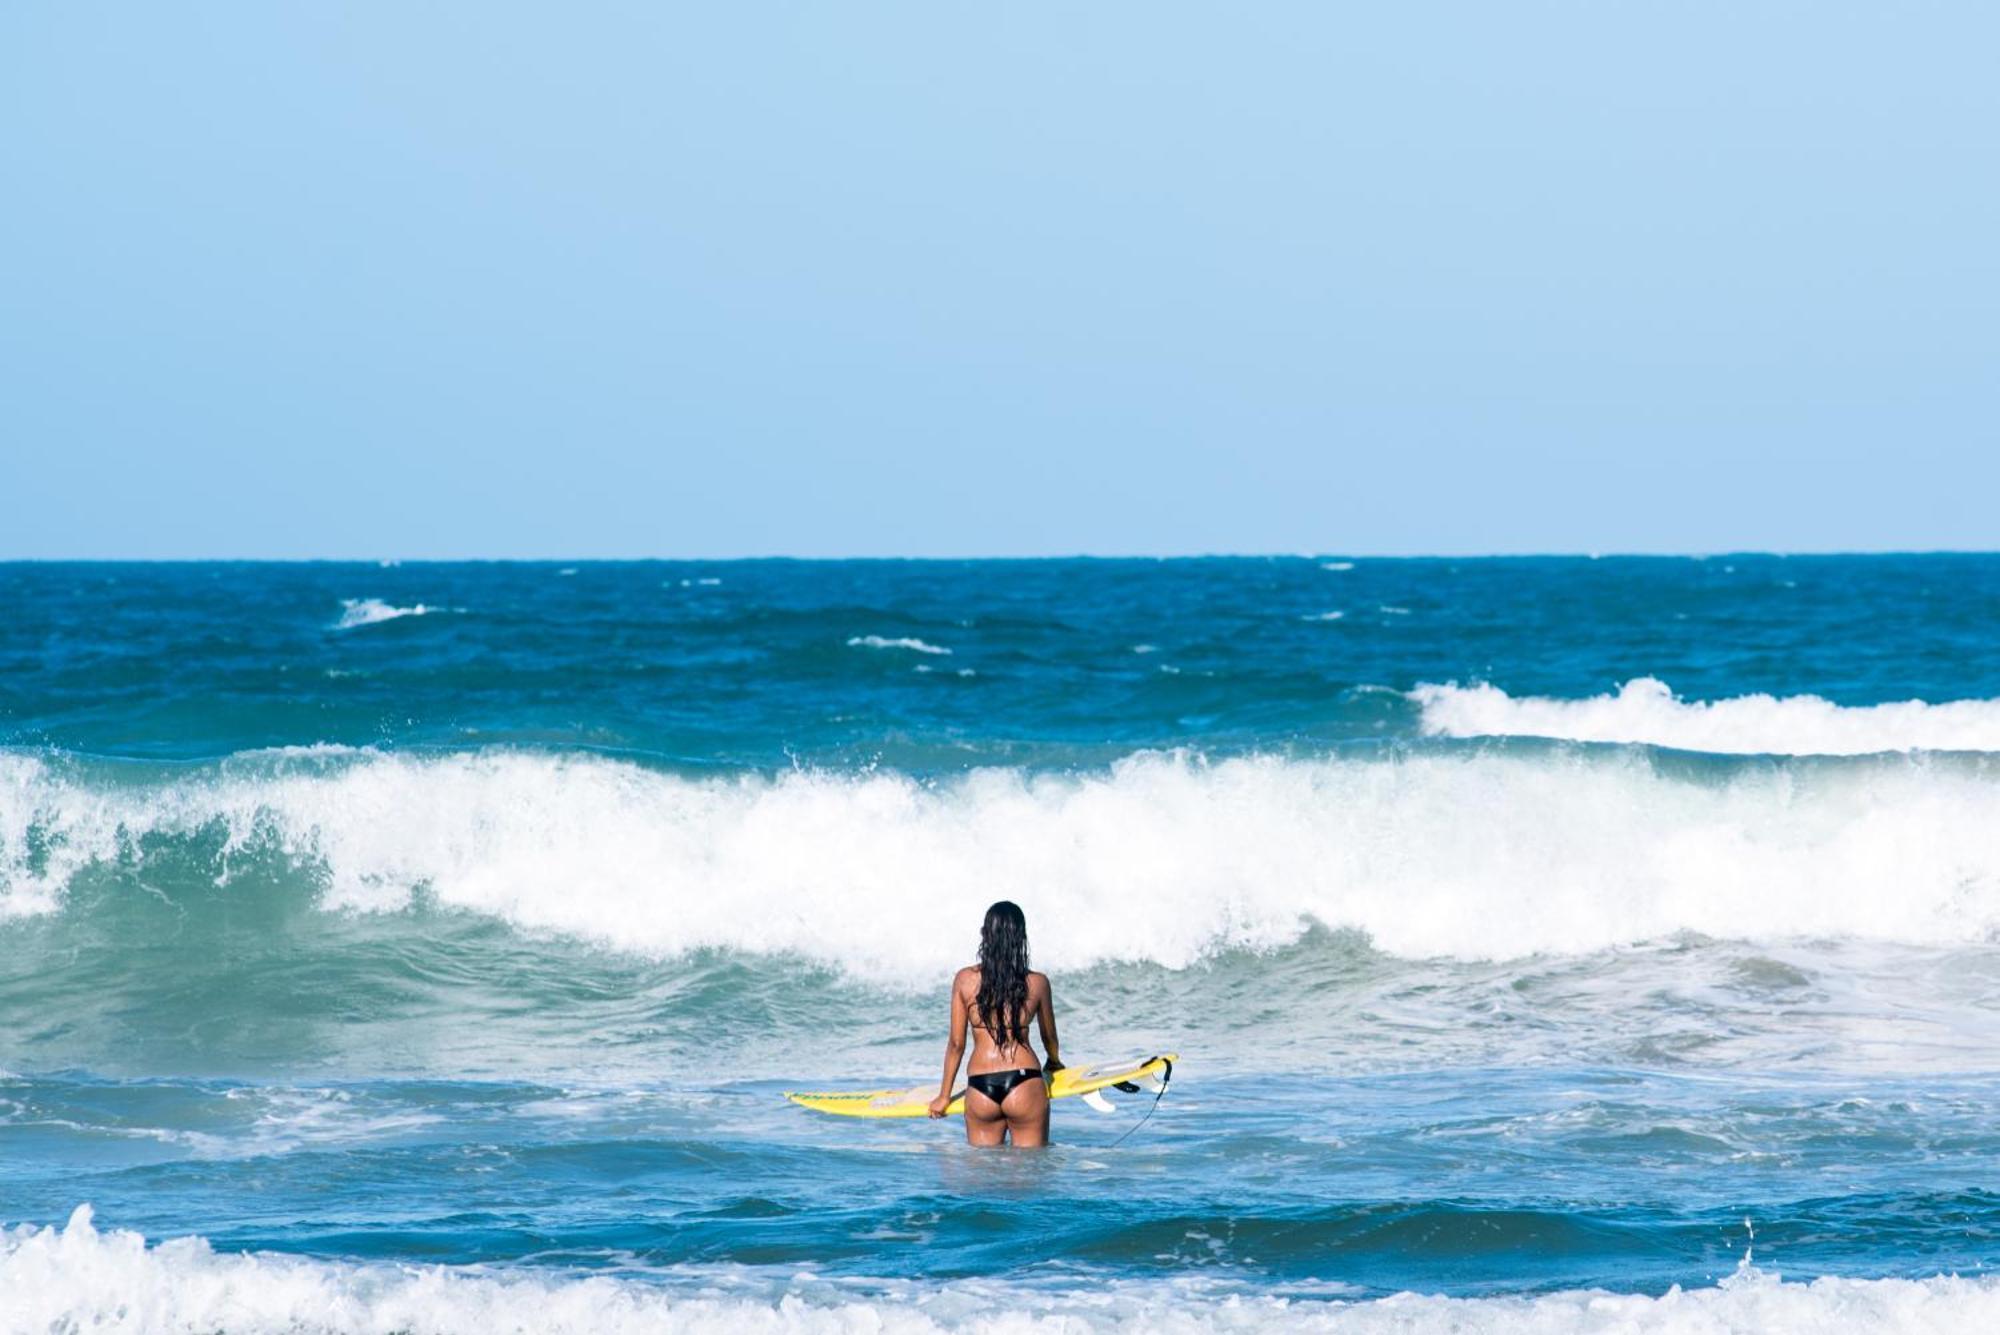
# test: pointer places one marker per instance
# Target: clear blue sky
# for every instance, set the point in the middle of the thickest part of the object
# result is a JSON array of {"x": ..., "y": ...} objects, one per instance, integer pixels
[{"x": 500, "y": 279}]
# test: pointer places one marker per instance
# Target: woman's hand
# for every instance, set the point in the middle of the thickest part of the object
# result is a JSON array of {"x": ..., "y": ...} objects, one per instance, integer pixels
[{"x": 938, "y": 1106}]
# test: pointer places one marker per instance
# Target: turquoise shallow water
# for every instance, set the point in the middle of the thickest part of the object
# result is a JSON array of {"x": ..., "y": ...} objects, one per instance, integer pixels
[{"x": 1527, "y": 928}]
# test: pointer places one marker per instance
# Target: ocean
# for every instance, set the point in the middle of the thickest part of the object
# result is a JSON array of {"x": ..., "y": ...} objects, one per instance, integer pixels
[{"x": 1549, "y": 944}]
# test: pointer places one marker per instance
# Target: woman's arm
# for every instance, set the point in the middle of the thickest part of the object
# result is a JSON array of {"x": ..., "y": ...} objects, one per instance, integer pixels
[
  {"x": 1045, "y": 1020},
  {"x": 954, "y": 1048}
]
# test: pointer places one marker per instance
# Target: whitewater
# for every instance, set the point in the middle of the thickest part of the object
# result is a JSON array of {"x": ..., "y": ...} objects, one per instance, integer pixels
[
  {"x": 1161, "y": 858},
  {"x": 1646, "y": 710},
  {"x": 79, "y": 1279},
  {"x": 1549, "y": 944}
]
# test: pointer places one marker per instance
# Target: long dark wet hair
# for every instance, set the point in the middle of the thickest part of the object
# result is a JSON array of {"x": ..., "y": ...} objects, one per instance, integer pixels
[{"x": 1003, "y": 973}]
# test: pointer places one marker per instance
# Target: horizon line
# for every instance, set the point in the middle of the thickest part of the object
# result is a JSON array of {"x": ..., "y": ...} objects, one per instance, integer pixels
[{"x": 1001, "y": 558}]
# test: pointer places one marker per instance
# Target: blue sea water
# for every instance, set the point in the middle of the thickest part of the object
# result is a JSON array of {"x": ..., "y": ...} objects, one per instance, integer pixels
[{"x": 1548, "y": 944}]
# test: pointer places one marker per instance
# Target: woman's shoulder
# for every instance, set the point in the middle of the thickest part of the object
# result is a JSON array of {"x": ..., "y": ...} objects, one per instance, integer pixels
[{"x": 1038, "y": 981}]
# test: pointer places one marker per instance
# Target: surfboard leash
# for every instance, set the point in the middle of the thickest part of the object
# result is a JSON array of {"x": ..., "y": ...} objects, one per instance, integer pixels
[{"x": 1166, "y": 1078}]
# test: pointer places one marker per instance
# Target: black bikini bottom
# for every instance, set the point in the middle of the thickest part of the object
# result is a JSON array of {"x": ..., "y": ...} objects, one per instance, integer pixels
[{"x": 997, "y": 1085}]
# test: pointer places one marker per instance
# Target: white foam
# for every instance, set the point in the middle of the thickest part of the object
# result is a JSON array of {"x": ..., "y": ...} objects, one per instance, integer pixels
[
  {"x": 1162, "y": 858},
  {"x": 1646, "y": 710},
  {"x": 906, "y": 642},
  {"x": 78, "y": 1279},
  {"x": 369, "y": 611},
  {"x": 1337, "y": 565},
  {"x": 1324, "y": 616}
]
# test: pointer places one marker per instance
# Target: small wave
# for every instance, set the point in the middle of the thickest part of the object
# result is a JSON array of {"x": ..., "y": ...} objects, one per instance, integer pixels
[
  {"x": 1325, "y": 616},
  {"x": 1336, "y": 565},
  {"x": 307, "y": 751},
  {"x": 1645, "y": 710},
  {"x": 884, "y": 642},
  {"x": 77, "y": 1278},
  {"x": 370, "y": 611}
]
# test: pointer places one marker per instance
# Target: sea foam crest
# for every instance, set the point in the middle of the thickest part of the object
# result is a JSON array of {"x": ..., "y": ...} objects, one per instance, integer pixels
[
  {"x": 79, "y": 1279},
  {"x": 1646, "y": 710},
  {"x": 357, "y": 612},
  {"x": 909, "y": 642},
  {"x": 1163, "y": 857}
]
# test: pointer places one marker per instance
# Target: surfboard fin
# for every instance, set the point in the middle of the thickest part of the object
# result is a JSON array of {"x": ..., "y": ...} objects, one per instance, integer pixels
[{"x": 1095, "y": 1098}]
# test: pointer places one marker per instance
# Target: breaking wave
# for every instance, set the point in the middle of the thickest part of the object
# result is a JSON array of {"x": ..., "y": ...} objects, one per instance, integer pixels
[
  {"x": 1475, "y": 853},
  {"x": 1646, "y": 710},
  {"x": 357, "y": 612},
  {"x": 79, "y": 1279},
  {"x": 914, "y": 645}
]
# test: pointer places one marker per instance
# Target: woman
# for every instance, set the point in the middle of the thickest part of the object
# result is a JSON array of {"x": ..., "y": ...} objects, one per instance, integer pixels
[{"x": 994, "y": 1000}]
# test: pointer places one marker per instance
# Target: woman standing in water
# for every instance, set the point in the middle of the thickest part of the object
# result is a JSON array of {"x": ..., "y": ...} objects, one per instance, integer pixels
[{"x": 993, "y": 999}]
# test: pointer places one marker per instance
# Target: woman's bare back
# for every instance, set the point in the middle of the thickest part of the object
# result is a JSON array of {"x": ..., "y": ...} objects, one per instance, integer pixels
[{"x": 990, "y": 1050}]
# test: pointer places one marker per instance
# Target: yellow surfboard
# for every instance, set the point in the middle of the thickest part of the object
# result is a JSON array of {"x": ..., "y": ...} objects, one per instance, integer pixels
[{"x": 1069, "y": 1081}]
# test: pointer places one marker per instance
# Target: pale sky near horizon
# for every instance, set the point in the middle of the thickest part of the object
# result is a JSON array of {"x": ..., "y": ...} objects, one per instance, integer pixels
[{"x": 607, "y": 280}]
